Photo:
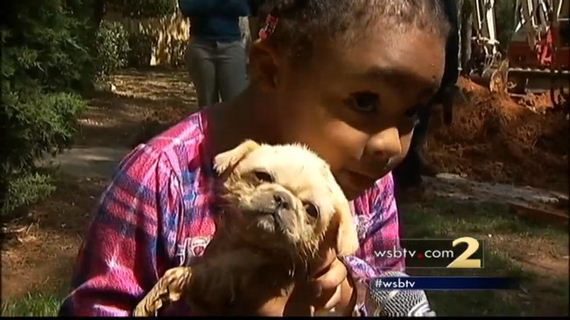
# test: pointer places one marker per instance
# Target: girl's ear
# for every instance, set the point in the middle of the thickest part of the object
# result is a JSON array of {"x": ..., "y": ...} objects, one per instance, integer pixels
[
  {"x": 264, "y": 65},
  {"x": 226, "y": 161}
]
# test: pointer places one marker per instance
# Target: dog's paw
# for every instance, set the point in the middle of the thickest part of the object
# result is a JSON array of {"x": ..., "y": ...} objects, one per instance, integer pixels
[{"x": 168, "y": 289}]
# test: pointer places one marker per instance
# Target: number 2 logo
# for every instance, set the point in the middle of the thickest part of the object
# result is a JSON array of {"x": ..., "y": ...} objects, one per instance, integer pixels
[{"x": 464, "y": 261}]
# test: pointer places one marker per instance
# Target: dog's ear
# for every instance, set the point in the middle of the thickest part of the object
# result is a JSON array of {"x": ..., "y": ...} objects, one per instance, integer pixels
[
  {"x": 229, "y": 159},
  {"x": 346, "y": 234}
]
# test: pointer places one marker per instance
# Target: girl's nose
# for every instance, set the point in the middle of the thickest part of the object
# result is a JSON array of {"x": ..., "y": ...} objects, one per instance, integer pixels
[{"x": 383, "y": 146}]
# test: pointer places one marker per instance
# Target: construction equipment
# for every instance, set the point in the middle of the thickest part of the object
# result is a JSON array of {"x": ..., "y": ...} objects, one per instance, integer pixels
[
  {"x": 537, "y": 58},
  {"x": 484, "y": 62}
]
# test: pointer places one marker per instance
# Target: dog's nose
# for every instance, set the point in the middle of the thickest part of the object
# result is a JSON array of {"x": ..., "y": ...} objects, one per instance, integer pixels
[{"x": 282, "y": 201}]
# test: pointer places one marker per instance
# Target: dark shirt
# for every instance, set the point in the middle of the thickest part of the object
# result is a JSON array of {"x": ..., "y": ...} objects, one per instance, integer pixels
[
  {"x": 215, "y": 20},
  {"x": 451, "y": 71}
]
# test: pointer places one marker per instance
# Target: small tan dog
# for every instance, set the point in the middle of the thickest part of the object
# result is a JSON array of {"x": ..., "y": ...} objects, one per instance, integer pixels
[{"x": 276, "y": 204}]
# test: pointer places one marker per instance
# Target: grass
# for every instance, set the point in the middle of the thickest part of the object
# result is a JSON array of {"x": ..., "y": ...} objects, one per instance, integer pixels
[
  {"x": 34, "y": 304},
  {"x": 42, "y": 302},
  {"x": 442, "y": 217},
  {"x": 447, "y": 219}
]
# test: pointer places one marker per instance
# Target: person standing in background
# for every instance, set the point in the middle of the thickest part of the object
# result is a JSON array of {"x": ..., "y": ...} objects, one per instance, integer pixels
[
  {"x": 408, "y": 174},
  {"x": 216, "y": 53}
]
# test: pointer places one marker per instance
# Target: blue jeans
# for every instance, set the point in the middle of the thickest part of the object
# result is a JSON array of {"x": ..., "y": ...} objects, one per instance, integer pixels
[{"x": 218, "y": 70}]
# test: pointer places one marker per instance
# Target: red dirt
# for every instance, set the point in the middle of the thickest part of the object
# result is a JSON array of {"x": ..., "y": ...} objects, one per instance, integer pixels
[{"x": 493, "y": 138}]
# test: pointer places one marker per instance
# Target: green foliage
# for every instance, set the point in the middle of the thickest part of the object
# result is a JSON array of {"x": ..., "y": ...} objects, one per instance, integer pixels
[
  {"x": 45, "y": 58},
  {"x": 51, "y": 50},
  {"x": 25, "y": 190},
  {"x": 45, "y": 44},
  {"x": 35, "y": 125},
  {"x": 148, "y": 8},
  {"x": 141, "y": 45},
  {"x": 33, "y": 305},
  {"x": 112, "y": 48},
  {"x": 39, "y": 124}
]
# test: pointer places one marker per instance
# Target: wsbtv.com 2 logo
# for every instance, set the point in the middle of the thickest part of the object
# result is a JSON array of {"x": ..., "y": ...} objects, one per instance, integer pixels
[{"x": 463, "y": 252}]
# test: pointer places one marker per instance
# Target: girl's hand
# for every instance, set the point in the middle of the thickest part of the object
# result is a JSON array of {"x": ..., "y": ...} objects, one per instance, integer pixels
[{"x": 332, "y": 287}]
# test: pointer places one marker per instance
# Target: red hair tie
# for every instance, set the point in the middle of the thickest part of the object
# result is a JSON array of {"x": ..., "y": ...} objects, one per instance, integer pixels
[{"x": 269, "y": 28}]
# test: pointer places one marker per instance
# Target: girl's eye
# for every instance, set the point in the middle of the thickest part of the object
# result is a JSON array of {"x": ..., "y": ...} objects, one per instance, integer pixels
[
  {"x": 311, "y": 210},
  {"x": 263, "y": 176},
  {"x": 365, "y": 102}
]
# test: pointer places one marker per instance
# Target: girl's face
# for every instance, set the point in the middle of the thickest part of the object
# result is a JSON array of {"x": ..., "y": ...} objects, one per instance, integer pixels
[{"x": 356, "y": 106}]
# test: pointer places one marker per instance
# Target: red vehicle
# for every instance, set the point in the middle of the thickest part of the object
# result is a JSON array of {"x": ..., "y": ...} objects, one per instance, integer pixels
[
  {"x": 537, "y": 58},
  {"x": 539, "y": 51}
]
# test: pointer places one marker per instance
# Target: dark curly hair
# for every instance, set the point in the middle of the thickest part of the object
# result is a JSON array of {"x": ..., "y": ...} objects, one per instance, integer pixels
[{"x": 302, "y": 22}]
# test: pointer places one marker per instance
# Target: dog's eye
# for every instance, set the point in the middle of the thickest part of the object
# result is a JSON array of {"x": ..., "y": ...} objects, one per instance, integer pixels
[
  {"x": 263, "y": 176},
  {"x": 311, "y": 210}
]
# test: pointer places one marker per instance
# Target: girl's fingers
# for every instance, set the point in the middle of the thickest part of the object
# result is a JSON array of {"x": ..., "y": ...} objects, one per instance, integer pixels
[
  {"x": 333, "y": 277},
  {"x": 334, "y": 299}
]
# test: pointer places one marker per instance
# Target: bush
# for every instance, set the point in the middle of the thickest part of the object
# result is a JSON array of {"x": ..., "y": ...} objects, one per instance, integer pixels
[
  {"x": 141, "y": 45},
  {"x": 40, "y": 124},
  {"x": 45, "y": 45},
  {"x": 26, "y": 190},
  {"x": 35, "y": 126},
  {"x": 148, "y": 8},
  {"x": 112, "y": 45},
  {"x": 46, "y": 57}
]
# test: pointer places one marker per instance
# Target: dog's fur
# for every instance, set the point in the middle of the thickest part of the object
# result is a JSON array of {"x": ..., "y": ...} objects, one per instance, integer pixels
[{"x": 268, "y": 232}]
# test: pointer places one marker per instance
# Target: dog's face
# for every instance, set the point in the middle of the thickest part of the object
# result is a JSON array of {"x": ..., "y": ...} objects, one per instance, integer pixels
[{"x": 287, "y": 194}]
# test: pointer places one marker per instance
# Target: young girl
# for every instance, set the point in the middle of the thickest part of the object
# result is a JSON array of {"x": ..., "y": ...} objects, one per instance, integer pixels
[{"x": 345, "y": 77}]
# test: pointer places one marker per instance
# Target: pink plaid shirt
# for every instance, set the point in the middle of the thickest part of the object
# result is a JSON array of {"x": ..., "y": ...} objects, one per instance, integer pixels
[{"x": 157, "y": 214}]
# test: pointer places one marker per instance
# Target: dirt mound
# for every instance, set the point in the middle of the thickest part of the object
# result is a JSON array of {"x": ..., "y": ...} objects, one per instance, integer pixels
[{"x": 494, "y": 138}]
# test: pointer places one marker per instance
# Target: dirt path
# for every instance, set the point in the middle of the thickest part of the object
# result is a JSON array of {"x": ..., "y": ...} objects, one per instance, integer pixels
[{"x": 40, "y": 248}]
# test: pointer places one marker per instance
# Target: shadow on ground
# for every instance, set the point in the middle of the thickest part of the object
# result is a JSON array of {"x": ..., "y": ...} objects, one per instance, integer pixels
[{"x": 40, "y": 247}]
